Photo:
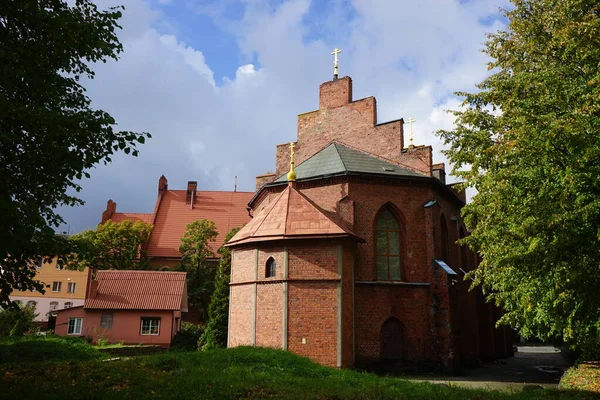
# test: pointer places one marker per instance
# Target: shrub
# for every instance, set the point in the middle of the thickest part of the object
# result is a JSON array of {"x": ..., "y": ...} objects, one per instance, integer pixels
[
  {"x": 187, "y": 337},
  {"x": 15, "y": 320}
]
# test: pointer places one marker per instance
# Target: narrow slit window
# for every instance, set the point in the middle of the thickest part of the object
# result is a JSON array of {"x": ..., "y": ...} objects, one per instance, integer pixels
[{"x": 271, "y": 268}]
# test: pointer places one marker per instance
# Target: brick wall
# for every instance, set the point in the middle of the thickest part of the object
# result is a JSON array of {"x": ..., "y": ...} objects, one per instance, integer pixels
[
  {"x": 375, "y": 304},
  {"x": 269, "y": 312},
  {"x": 242, "y": 265},
  {"x": 240, "y": 315},
  {"x": 262, "y": 180},
  {"x": 313, "y": 316},
  {"x": 313, "y": 260}
]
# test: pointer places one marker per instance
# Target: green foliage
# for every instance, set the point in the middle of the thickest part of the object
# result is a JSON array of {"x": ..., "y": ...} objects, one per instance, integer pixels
[
  {"x": 240, "y": 373},
  {"x": 529, "y": 143},
  {"x": 15, "y": 320},
  {"x": 46, "y": 348},
  {"x": 215, "y": 335},
  {"x": 110, "y": 246},
  {"x": 195, "y": 251},
  {"x": 187, "y": 337},
  {"x": 51, "y": 136}
]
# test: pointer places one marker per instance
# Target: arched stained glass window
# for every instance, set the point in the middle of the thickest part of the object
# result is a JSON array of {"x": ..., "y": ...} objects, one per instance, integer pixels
[
  {"x": 271, "y": 268},
  {"x": 387, "y": 238}
]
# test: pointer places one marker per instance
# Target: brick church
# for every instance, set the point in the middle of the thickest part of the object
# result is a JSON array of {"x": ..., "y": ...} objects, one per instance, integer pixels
[{"x": 350, "y": 257}]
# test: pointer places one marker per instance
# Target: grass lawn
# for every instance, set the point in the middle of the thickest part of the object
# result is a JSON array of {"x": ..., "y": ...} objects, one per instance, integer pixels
[
  {"x": 585, "y": 376},
  {"x": 241, "y": 373},
  {"x": 46, "y": 348}
]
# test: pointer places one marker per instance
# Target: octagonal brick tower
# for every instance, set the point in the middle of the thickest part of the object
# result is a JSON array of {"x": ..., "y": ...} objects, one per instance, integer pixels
[{"x": 291, "y": 283}]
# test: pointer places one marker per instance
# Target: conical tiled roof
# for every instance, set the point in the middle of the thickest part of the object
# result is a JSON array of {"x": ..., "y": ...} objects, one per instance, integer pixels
[{"x": 291, "y": 216}]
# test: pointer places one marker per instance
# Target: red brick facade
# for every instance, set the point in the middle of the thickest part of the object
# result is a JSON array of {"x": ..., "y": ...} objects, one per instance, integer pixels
[{"x": 326, "y": 300}]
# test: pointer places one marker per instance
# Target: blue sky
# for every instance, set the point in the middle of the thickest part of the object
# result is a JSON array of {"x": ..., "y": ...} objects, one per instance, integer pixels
[{"x": 220, "y": 83}]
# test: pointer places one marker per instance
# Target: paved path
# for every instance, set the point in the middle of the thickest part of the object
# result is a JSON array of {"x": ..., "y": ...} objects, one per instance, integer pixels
[{"x": 531, "y": 365}]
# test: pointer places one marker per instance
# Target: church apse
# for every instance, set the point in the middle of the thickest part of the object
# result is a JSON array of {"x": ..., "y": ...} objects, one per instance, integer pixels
[{"x": 354, "y": 230}]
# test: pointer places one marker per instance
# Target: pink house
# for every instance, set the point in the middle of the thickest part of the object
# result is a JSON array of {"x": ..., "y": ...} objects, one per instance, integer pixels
[{"x": 128, "y": 306}]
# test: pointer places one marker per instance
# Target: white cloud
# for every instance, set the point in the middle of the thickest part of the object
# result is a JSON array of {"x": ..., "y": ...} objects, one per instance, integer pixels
[
  {"x": 191, "y": 57},
  {"x": 410, "y": 55}
]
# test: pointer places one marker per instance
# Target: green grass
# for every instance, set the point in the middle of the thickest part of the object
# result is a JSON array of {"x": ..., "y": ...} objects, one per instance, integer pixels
[
  {"x": 240, "y": 373},
  {"x": 35, "y": 349}
]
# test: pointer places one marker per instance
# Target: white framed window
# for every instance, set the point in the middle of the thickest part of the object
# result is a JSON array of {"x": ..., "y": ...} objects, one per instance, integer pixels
[
  {"x": 34, "y": 289},
  {"x": 53, "y": 305},
  {"x": 150, "y": 326},
  {"x": 71, "y": 287},
  {"x": 75, "y": 326},
  {"x": 106, "y": 320},
  {"x": 31, "y": 303},
  {"x": 39, "y": 263},
  {"x": 56, "y": 286},
  {"x": 68, "y": 304}
]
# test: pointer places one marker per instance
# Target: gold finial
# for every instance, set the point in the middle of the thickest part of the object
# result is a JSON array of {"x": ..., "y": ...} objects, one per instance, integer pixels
[
  {"x": 335, "y": 53},
  {"x": 410, "y": 122},
  {"x": 292, "y": 174}
]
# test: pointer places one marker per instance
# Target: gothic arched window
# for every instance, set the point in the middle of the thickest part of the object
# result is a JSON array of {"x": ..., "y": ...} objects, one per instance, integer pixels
[
  {"x": 271, "y": 268},
  {"x": 387, "y": 245}
]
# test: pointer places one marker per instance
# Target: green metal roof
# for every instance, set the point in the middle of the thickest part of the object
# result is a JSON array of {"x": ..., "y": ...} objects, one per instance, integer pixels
[{"x": 337, "y": 159}]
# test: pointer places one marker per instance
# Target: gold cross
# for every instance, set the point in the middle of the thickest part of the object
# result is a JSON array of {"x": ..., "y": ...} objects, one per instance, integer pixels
[
  {"x": 410, "y": 122},
  {"x": 335, "y": 53},
  {"x": 292, "y": 174}
]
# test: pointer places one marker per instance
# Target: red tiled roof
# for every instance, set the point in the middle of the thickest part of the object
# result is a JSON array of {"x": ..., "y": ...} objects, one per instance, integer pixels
[
  {"x": 291, "y": 215},
  {"x": 134, "y": 217},
  {"x": 226, "y": 209},
  {"x": 138, "y": 290}
]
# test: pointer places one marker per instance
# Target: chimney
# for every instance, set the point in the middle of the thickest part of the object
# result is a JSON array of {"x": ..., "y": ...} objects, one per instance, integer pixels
[
  {"x": 111, "y": 208},
  {"x": 335, "y": 93},
  {"x": 163, "y": 184},
  {"x": 439, "y": 172},
  {"x": 191, "y": 193}
]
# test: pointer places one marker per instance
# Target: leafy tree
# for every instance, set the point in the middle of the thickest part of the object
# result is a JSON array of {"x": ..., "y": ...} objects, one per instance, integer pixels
[
  {"x": 49, "y": 133},
  {"x": 195, "y": 251},
  {"x": 529, "y": 143},
  {"x": 110, "y": 246},
  {"x": 215, "y": 334},
  {"x": 187, "y": 337},
  {"x": 16, "y": 319}
]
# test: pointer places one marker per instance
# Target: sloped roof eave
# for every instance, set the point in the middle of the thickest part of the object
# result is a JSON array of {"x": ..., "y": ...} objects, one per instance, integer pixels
[{"x": 293, "y": 237}]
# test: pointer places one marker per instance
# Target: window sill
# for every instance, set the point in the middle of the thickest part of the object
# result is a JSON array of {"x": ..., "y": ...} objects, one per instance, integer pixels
[
  {"x": 393, "y": 283},
  {"x": 149, "y": 334}
]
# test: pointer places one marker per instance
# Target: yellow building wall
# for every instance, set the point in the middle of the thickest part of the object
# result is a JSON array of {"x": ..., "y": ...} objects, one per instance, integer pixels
[{"x": 48, "y": 274}]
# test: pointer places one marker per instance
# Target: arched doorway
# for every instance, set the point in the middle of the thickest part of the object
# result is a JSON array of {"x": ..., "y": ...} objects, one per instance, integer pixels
[{"x": 392, "y": 340}]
